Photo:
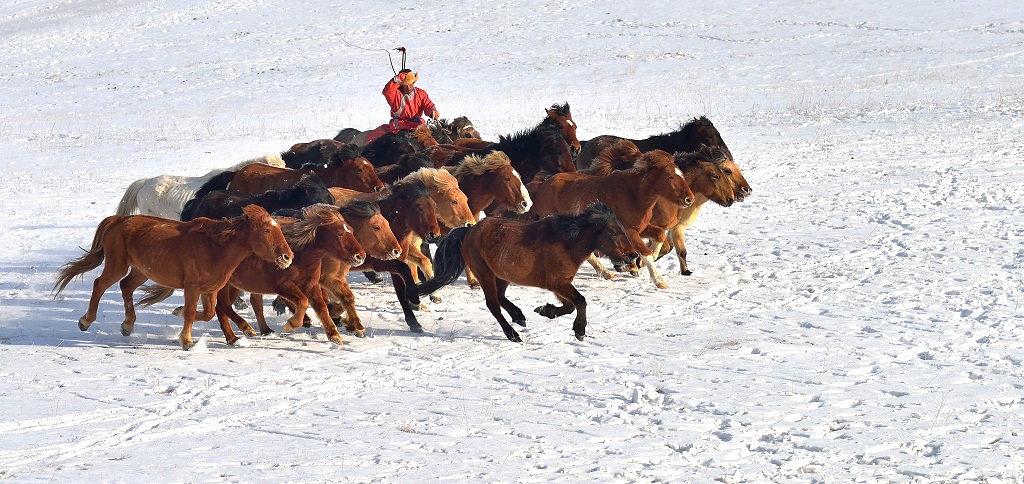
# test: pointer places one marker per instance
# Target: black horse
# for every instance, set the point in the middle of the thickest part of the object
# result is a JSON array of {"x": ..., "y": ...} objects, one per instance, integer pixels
[
  {"x": 689, "y": 137},
  {"x": 224, "y": 203}
]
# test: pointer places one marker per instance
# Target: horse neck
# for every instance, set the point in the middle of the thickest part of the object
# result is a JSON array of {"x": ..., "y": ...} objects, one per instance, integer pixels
[
  {"x": 639, "y": 196},
  {"x": 583, "y": 244},
  {"x": 476, "y": 196},
  {"x": 224, "y": 235},
  {"x": 397, "y": 216}
]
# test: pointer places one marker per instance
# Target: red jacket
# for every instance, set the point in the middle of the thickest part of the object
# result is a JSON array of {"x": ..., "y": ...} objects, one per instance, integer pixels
[{"x": 407, "y": 109}]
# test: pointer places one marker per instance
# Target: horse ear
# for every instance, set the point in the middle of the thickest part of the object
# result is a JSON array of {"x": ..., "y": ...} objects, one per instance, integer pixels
[{"x": 254, "y": 212}]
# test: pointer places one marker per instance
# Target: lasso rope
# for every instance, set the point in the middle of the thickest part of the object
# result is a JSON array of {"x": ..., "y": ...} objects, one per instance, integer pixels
[{"x": 386, "y": 51}]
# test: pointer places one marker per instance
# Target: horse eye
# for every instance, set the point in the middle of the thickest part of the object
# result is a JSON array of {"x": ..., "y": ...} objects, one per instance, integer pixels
[
  {"x": 715, "y": 177},
  {"x": 508, "y": 179},
  {"x": 728, "y": 172}
]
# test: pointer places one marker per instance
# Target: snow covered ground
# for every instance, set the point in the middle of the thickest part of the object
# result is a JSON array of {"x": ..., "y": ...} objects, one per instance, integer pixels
[{"x": 858, "y": 319}]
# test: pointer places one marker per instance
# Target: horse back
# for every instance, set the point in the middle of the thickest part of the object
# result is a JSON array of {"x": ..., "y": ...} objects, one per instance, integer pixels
[{"x": 258, "y": 178}]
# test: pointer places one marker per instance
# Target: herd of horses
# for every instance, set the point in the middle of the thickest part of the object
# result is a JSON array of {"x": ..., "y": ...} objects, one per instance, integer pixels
[{"x": 528, "y": 208}]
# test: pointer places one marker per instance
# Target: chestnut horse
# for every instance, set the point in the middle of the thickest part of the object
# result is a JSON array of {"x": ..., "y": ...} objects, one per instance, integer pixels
[
  {"x": 546, "y": 254},
  {"x": 197, "y": 256},
  {"x": 706, "y": 172},
  {"x": 631, "y": 194},
  {"x": 223, "y": 203},
  {"x": 321, "y": 232},
  {"x": 688, "y": 138},
  {"x": 165, "y": 195},
  {"x": 346, "y": 168},
  {"x": 412, "y": 214}
]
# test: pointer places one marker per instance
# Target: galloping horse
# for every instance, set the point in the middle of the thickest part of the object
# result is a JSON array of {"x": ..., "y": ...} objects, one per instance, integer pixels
[
  {"x": 412, "y": 214},
  {"x": 688, "y": 138},
  {"x": 165, "y": 195},
  {"x": 388, "y": 149},
  {"x": 321, "y": 232},
  {"x": 224, "y": 203},
  {"x": 631, "y": 194},
  {"x": 197, "y": 256},
  {"x": 706, "y": 172},
  {"x": 546, "y": 254},
  {"x": 318, "y": 152},
  {"x": 548, "y": 147}
]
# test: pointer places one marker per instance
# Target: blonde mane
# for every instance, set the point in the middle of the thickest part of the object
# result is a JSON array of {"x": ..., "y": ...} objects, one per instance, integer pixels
[
  {"x": 302, "y": 232},
  {"x": 475, "y": 165}
]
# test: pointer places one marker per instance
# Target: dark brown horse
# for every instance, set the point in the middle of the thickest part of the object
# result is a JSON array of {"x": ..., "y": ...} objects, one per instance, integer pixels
[
  {"x": 548, "y": 147},
  {"x": 546, "y": 254},
  {"x": 223, "y": 203},
  {"x": 413, "y": 215},
  {"x": 320, "y": 233},
  {"x": 631, "y": 194},
  {"x": 346, "y": 168},
  {"x": 197, "y": 256},
  {"x": 440, "y": 130},
  {"x": 407, "y": 164},
  {"x": 706, "y": 172}
]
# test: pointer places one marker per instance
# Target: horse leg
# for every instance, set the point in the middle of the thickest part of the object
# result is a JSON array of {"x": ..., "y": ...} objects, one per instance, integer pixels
[
  {"x": 568, "y": 293},
  {"x": 373, "y": 277},
  {"x": 112, "y": 272},
  {"x": 319, "y": 303},
  {"x": 188, "y": 313},
  {"x": 347, "y": 301},
  {"x": 677, "y": 238},
  {"x": 653, "y": 271},
  {"x": 489, "y": 283},
  {"x": 471, "y": 279},
  {"x": 401, "y": 290},
  {"x": 517, "y": 314},
  {"x": 600, "y": 268},
  {"x": 291, "y": 292},
  {"x": 416, "y": 260},
  {"x": 129, "y": 284},
  {"x": 256, "y": 303},
  {"x": 551, "y": 311},
  {"x": 224, "y": 312}
]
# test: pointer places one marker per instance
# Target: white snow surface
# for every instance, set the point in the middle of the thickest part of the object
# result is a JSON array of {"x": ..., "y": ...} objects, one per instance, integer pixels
[{"x": 857, "y": 319}]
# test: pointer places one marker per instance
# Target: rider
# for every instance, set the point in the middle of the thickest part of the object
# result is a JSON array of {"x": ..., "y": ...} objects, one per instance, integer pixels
[{"x": 408, "y": 104}]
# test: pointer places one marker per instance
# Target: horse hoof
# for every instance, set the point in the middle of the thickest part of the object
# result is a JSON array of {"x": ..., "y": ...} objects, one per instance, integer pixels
[
  {"x": 634, "y": 273},
  {"x": 521, "y": 322},
  {"x": 126, "y": 330},
  {"x": 547, "y": 310},
  {"x": 187, "y": 345},
  {"x": 361, "y": 333},
  {"x": 416, "y": 329},
  {"x": 267, "y": 332},
  {"x": 178, "y": 311},
  {"x": 662, "y": 285},
  {"x": 580, "y": 336},
  {"x": 249, "y": 333},
  {"x": 686, "y": 272},
  {"x": 608, "y": 276},
  {"x": 83, "y": 324},
  {"x": 336, "y": 339},
  {"x": 232, "y": 341},
  {"x": 514, "y": 337},
  {"x": 423, "y": 307},
  {"x": 435, "y": 299}
]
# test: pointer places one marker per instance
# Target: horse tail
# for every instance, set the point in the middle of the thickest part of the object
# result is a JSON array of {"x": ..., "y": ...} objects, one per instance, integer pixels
[
  {"x": 130, "y": 201},
  {"x": 275, "y": 160},
  {"x": 448, "y": 262},
  {"x": 91, "y": 260},
  {"x": 154, "y": 294},
  {"x": 219, "y": 181}
]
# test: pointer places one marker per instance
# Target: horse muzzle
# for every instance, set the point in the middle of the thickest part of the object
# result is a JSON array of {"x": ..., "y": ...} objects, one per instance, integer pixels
[
  {"x": 433, "y": 237},
  {"x": 575, "y": 151},
  {"x": 283, "y": 261},
  {"x": 358, "y": 259},
  {"x": 686, "y": 202}
]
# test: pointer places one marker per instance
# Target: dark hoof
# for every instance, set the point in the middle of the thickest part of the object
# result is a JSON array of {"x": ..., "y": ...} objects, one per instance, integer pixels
[
  {"x": 232, "y": 341},
  {"x": 580, "y": 336},
  {"x": 373, "y": 277},
  {"x": 267, "y": 332},
  {"x": 240, "y": 304},
  {"x": 435, "y": 299},
  {"x": 521, "y": 322},
  {"x": 514, "y": 337},
  {"x": 547, "y": 310},
  {"x": 686, "y": 272},
  {"x": 416, "y": 329},
  {"x": 82, "y": 326},
  {"x": 306, "y": 322},
  {"x": 125, "y": 331}
]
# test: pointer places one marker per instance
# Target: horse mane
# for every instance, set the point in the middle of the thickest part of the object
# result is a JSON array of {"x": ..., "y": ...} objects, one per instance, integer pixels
[
  {"x": 620, "y": 156},
  {"x": 570, "y": 226},
  {"x": 411, "y": 188},
  {"x": 387, "y": 145},
  {"x": 271, "y": 159},
  {"x": 302, "y": 232},
  {"x": 713, "y": 154},
  {"x": 561, "y": 109},
  {"x": 435, "y": 178},
  {"x": 415, "y": 161},
  {"x": 546, "y": 132},
  {"x": 359, "y": 209},
  {"x": 347, "y": 151},
  {"x": 477, "y": 165}
]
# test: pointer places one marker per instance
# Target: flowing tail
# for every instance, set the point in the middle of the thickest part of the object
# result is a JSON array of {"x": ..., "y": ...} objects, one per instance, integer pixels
[
  {"x": 448, "y": 262},
  {"x": 91, "y": 260},
  {"x": 154, "y": 294},
  {"x": 130, "y": 201}
]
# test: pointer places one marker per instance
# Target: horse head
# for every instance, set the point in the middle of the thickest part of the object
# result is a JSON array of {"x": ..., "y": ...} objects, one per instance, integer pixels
[
  {"x": 705, "y": 172},
  {"x": 265, "y": 237},
  {"x": 612, "y": 239},
  {"x": 562, "y": 117},
  {"x": 450, "y": 201},
  {"x": 664, "y": 178},
  {"x": 500, "y": 180},
  {"x": 349, "y": 169},
  {"x": 335, "y": 233},
  {"x": 418, "y": 211},
  {"x": 372, "y": 230}
]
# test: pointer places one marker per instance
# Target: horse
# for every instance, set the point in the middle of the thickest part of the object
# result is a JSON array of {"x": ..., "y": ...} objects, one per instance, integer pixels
[
  {"x": 198, "y": 256},
  {"x": 320, "y": 233},
  {"x": 374, "y": 234},
  {"x": 388, "y": 149},
  {"x": 318, "y": 151},
  {"x": 707, "y": 174},
  {"x": 407, "y": 164},
  {"x": 412, "y": 214},
  {"x": 307, "y": 191},
  {"x": 545, "y": 254},
  {"x": 165, "y": 195},
  {"x": 631, "y": 194},
  {"x": 346, "y": 168},
  {"x": 548, "y": 147},
  {"x": 688, "y": 138}
]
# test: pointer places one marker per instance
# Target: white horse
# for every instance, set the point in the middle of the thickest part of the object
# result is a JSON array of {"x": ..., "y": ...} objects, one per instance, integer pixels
[{"x": 165, "y": 195}]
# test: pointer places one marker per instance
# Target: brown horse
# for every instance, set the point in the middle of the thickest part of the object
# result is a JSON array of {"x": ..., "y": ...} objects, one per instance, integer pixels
[
  {"x": 412, "y": 214},
  {"x": 631, "y": 194},
  {"x": 546, "y": 254},
  {"x": 224, "y": 203},
  {"x": 407, "y": 164},
  {"x": 490, "y": 180},
  {"x": 197, "y": 256},
  {"x": 346, "y": 169},
  {"x": 321, "y": 232},
  {"x": 374, "y": 234},
  {"x": 705, "y": 171}
]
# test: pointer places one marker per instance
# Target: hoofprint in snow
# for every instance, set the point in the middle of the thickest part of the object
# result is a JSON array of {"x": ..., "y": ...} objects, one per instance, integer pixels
[{"x": 857, "y": 318}]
